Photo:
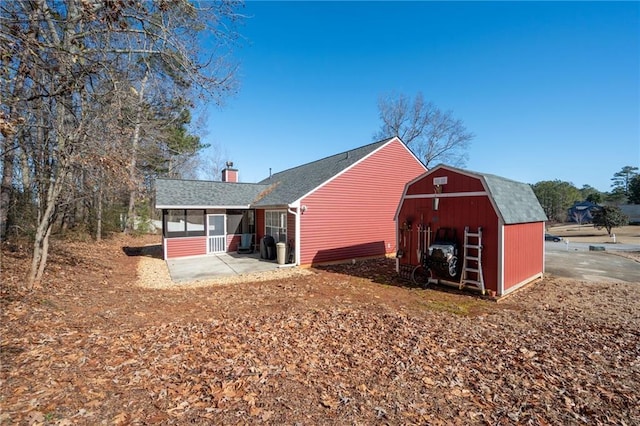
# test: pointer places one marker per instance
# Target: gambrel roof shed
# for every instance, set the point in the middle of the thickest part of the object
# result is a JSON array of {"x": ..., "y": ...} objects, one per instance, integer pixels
[
  {"x": 515, "y": 201},
  {"x": 507, "y": 212}
]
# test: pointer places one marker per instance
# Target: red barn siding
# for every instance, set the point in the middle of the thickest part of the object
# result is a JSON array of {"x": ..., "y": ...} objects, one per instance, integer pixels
[
  {"x": 188, "y": 246},
  {"x": 456, "y": 182},
  {"x": 352, "y": 216},
  {"x": 523, "y": 253}
]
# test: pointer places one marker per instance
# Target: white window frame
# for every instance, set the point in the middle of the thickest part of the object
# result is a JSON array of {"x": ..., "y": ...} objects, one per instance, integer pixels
[
  {"x": 275, "y": 224},
  {"x": 217, "y": 243}
]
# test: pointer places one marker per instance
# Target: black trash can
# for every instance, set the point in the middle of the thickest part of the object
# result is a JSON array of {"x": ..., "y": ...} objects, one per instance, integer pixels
[
  {"x": 263, "y": 249},
  {"x": 268, "y": 248}
]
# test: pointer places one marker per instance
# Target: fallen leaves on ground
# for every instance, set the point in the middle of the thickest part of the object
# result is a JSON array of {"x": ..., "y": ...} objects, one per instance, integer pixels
[{"x": 343, "y": 345}]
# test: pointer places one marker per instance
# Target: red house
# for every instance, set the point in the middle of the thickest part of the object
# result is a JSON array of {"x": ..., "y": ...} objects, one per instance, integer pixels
[
  {"x": 334, "y": 209},
  {"x": 472, "y": 229}
]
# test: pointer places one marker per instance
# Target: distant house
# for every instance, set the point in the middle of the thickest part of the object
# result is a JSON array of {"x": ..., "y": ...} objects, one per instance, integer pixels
[
  {"x": 632, "y": 211},
  {"x": 582, "y": 212},
  {"x": 334, "y": 209}
]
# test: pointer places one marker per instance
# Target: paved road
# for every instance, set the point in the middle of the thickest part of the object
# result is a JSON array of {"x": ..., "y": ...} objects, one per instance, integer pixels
[{"x": 576, "y": 261}]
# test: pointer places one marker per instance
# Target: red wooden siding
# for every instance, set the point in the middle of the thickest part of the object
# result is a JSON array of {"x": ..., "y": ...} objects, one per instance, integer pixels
[
  {"x": 194, "y": 245},
  {"x": 352, "y": 216},
  {"x": 233, "y": 240},
  {"x": 259, "y": 226},
  {"x": 523, "y": 252},
  {"x": 188, "y": 246},
  {"x": 456, "y": 182}
]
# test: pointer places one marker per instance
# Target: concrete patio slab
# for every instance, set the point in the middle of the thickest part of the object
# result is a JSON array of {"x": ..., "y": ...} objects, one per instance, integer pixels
[{"x": 217, "y": 265}]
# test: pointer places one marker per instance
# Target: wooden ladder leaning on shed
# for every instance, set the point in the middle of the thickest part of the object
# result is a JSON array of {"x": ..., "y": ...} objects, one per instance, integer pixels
[{"x": 472, "y": 263}]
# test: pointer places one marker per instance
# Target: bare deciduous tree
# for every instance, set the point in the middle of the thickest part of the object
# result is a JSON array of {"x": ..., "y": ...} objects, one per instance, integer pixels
[
  {"x": 60, "y": 59},
  {"x": 433, "y": 135},
  {"x": 212, "y": 164}
]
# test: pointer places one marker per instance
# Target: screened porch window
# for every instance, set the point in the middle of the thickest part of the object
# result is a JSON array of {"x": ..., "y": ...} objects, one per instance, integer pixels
[
  {"x": 276, "y": 224},
  {"x": 184, "y": 223},
  {"x": 195, "y": 223},
  {"x": 241, "y": 222}
]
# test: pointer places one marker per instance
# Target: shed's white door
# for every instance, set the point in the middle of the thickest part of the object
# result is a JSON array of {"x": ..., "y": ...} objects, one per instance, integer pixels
[{"x": 217, "y": 241}]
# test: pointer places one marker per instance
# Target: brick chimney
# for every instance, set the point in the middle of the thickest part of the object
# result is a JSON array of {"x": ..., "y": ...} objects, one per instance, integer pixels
[{"x": 229, "y": 174}]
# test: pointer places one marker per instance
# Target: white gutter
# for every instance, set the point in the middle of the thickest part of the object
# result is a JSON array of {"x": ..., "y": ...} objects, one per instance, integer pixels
[
  {"x": 297, "y": 237},
  {"x": 201, "y": 207}
]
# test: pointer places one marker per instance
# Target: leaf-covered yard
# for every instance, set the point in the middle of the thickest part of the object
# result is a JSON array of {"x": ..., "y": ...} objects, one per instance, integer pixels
[{"x": 340, "y": 345}]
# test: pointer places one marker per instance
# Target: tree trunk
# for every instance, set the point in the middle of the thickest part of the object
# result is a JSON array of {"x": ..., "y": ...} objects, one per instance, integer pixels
[
  {"x": 26, "y": 172},
  {"x": 8, "y": 162},
  {"x": 99, "y": 215},
  {"x": 6, "y": 187},
  {"x": 134, "y": 154},
  {"x": 41, "y": 240},
  {"x": 45, "y": 253}
]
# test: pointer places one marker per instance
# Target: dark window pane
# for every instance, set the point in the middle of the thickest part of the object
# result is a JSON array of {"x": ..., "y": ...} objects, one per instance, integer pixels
[{"x": 234, "y": 224}]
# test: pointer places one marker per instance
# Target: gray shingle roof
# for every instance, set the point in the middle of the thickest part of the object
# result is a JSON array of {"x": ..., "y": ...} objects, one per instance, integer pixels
[
  {"x": 516, "y": 202},
  {"x": 282, "y": 188},
  {"x": 292, "y": 184},
  {"x": 195, "y": 193}
]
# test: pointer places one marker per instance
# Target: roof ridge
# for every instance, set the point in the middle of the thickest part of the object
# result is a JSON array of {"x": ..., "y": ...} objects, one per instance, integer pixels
[
  {"x": 481, "y": 174},
  {"x": 381, "y": 142},
  {"x": 210, "y": 181}
]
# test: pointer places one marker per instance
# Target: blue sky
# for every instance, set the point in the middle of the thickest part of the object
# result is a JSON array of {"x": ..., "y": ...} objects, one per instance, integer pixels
[{"x": 550, "y": 89}]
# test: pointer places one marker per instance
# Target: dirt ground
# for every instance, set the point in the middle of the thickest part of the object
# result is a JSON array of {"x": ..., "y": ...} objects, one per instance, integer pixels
[{"x": 108, "y": 341}]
